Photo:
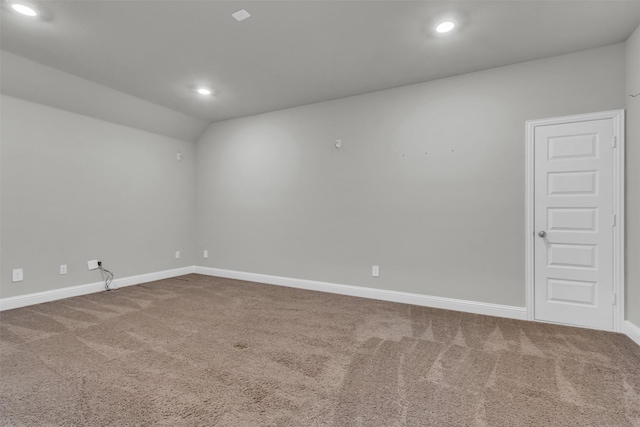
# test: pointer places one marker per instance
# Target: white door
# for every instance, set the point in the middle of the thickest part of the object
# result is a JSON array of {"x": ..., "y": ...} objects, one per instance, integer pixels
[{"x": 573, "y": 222}]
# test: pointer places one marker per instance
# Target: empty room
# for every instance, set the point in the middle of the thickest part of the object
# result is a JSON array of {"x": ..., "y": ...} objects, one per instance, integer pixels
[{"x": 319, "y": 213}]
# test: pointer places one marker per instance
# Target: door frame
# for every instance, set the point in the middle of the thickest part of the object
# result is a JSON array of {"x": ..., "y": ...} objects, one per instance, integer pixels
[{"x": 618, "y": 206}]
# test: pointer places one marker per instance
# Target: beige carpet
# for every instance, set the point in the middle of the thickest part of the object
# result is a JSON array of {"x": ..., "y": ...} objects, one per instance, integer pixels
[{"x": 204, "y": 351}]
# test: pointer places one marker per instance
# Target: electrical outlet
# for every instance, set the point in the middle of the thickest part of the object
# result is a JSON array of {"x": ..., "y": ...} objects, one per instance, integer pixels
[
  {"x": 63, "y": 268},
  {"x": 205, "y": 254},
  {"x": 375, "y": 271},
  {"x": 177, "y": 254},
  {"x": 93, "y": 264},
  {"x": 18, "y": 275}
]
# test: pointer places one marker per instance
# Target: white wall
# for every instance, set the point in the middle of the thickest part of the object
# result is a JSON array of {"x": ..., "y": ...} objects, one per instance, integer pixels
[
  {"x": 75, "y": 188},
  {"x": 633, "y": 178},
  {"x": 429, "y": 183}
]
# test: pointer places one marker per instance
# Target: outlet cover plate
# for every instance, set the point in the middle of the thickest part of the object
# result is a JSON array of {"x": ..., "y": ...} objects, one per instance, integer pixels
[
  {"x": 375, "y": 271},
  {"x": 93, "y": 264},
  {"x": 17, "y": 275}
]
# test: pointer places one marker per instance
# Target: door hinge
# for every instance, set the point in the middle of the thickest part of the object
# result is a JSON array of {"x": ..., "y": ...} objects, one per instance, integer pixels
[
  {"x": 613, "y": 220},
  {"x": 613, "y": 141},
  {"x": 614, "y": 298}
]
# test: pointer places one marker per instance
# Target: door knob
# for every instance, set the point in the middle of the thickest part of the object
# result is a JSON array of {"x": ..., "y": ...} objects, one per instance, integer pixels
[{"x": 542, "y": 233}]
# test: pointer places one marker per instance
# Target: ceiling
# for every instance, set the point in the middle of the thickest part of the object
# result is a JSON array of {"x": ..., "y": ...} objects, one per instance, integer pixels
[{"x": 290, "y": 53}]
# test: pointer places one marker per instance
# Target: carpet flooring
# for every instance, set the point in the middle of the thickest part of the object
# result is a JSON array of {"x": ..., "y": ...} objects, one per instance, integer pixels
[{"x": 205, "y": 351}]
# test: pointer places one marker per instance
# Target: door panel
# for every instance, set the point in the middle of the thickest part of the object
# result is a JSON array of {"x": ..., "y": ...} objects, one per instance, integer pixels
[
  {"x": 573, "y": 146},
  {"x": 573, "y": 183},
  {"x": 572, "y": 291},
  {"x": 573, "y": 272},
  {"x": 571, "y": 255},
  {"x": 572, "y": 219}
]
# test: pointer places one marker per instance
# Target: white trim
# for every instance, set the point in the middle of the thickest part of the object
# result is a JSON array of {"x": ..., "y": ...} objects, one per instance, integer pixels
[
  {"x": 73, "y": 291},
  {"x": 488, "y": 309},
  {"x": 529, "y": 265},
  {"x": 632, "y": 331},
  {"x": 618, "y": 205}
]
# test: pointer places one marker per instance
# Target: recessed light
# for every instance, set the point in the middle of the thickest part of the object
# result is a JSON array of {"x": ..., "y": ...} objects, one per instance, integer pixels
[
  {"x": 25, "y": 9},
  {"x": 241, "y": 15},
  {"x": 445, "y": 27},
  {"x": 204, "y": 91}
]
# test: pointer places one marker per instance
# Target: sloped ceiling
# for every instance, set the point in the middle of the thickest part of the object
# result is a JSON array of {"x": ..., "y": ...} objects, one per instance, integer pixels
[{"x": 290, "y": 53}]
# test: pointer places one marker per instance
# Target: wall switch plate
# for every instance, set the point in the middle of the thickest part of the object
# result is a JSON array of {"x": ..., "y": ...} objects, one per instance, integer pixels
[
  {"x": 375, "y": 271},
  {"x": 63, "y": 268},
  {"x": 18, "y": 275},
  {"x": 177, "y": 254},
  {"x": 205, "y": 254},
  {"x": 93, "y": 264}
]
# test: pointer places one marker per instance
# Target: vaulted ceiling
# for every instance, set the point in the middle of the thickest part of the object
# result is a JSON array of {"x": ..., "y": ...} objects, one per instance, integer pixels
[{"x": 290, "y": 53}]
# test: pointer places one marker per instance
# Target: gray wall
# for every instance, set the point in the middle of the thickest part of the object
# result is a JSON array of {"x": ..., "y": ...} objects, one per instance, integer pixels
[
  {"x": 429, "y": 183},
  {"x": 29, "y": 80},
  {"x": 633, "y": 179},
  {"x": 75, "y": 188}
]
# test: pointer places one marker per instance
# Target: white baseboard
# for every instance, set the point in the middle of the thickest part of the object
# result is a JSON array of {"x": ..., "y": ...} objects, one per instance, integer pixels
[
  {"x": 74, "y": 291},
  {"x": 632, "y": 331},
  {"x": 498, "y": 310},
  {"x": 511, "y": 312}
]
